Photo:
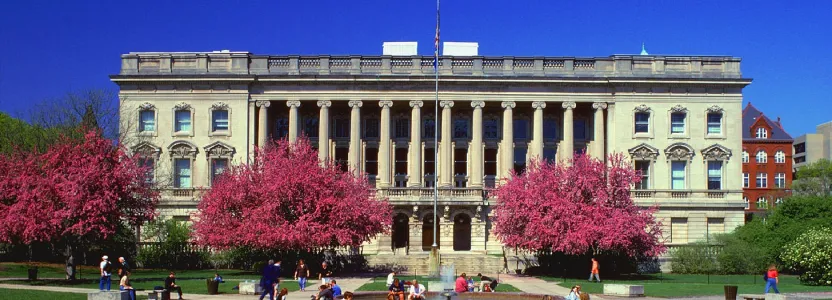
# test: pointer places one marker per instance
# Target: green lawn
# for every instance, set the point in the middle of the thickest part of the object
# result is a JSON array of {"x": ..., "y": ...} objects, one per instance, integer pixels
[
  {"x": 380, "y": 284},
  {"x": 13, "y": 294},
  {"x": 677, "y": 285}
]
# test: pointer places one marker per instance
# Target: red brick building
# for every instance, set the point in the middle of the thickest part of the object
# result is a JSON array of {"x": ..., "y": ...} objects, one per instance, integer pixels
[{"x": 766, "y": 161}]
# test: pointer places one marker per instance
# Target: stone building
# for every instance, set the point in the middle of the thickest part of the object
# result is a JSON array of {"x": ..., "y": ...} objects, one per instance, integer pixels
[
  {"x": 812, "y": 147},
  {"x": 191, "y": 115},
  {"x": 766, "y": 161}
]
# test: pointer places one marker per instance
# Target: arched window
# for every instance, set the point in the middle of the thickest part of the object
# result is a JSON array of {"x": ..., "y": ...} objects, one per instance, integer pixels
[
  {"x": 780, "y": 157},
  {"x": 762, "y": 133},
  {"x": 745, "y": 157},
  {"x": 762, "y": 203},
  {"x": 762, "y": 157}
]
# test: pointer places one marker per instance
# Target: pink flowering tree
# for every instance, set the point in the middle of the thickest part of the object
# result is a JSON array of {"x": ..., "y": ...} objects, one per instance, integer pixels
[
  {"x": 286, "y": 200},
  {"x": 74, "y": 192},
  {"x": 579, "y": 208}
]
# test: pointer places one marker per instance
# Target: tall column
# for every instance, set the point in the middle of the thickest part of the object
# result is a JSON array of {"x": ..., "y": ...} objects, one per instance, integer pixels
[
  {"x": 537, "y": 134},
  {"x": 507, "y": 146},
  {"x": 598, "y": 135},
  {"x": 568, "y": 131},
  {"x": 476, "y": 144},
  {"x": 415, "y": 160},
  {"x": 323, "y": 130},
  {"x": 384, "y": 145},
  {"x": 293, "y": 119},
  {"x": 446, "y": 175},
  {"x": 262, "y": 122},
  {"x": 354, "y": 158}
]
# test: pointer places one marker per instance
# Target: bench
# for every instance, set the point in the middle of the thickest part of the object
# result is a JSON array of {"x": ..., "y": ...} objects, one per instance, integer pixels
[
  {"x": 108, "y": 295},
  {"x": 624, "y": 290},
  {"x": 158, "y": 295},
  {"x": 250, "y": 288}
]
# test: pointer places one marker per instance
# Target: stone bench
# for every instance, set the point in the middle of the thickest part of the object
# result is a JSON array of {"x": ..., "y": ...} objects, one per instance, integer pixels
[
  {"x": 623, "y": 290},
  {"x": 108, "y": 295},
  {"x": 158, "y": 295},
  {"x": 250, "y": 288}
]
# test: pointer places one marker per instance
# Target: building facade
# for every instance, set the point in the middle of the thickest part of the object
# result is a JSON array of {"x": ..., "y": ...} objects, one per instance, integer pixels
[
  {"x": 766, "y": 161},
  {"x": 191, "y": 115},
  {"x": 812, "y": 147}
]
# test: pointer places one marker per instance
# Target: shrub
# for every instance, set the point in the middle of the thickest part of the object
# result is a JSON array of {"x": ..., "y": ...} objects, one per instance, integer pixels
[
  {"x": 809, "y": 255},
  {"x": 696, "y": 258},
  {"x": 739, "y": 256}
]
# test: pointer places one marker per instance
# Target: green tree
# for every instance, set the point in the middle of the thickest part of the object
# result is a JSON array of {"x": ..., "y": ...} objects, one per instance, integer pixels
[
  {"x": 814, "y": 179},
  {"x": 168, "y": 246},
  {"x": 17, "y": 135},
  {"x": 809, "y": 255}
]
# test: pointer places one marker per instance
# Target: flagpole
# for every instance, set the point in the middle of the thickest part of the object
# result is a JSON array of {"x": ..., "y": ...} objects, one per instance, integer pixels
[{"x": 436, "y": 129}]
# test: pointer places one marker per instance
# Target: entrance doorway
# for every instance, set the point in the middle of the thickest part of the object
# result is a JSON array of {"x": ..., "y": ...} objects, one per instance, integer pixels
[
  {"x": 401, "y": 231},
  {"x": 462, "y": 232},
  {"x": 427, "y": 233}
]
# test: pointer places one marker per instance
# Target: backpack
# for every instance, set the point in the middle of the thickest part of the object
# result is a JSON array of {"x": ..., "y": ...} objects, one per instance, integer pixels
[
  {"x": 765, "y": 276},
  {"x": 108, "y": 267}
]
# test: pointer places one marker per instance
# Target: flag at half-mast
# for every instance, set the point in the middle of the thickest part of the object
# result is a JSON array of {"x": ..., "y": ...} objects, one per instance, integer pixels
[{"x": 436, "y": 41}]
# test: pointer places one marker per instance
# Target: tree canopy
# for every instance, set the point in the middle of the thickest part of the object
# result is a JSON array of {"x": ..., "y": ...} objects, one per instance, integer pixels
[{"x": 814, "y": 179}]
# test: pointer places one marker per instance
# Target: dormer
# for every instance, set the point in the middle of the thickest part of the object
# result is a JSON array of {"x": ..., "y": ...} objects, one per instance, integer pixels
[{"x": 761, "y": 129}]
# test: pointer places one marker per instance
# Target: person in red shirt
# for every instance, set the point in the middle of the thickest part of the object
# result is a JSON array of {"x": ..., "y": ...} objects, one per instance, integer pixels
[
  {"x": 771, "y": 279},
  {"x": 461, "y": 285},
  {"x": 594, "y": 271}
]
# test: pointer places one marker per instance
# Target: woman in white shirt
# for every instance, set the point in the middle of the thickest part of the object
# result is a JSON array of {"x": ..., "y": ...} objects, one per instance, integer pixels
[{"x": 417, "y": 291}]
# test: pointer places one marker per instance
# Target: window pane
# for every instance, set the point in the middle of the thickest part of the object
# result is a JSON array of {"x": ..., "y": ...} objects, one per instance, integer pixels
[
  {"x": 147, "y": 120},
  {"x": 430, "y": 165},
  {"x": 218, "y": 166},
  {"x": 491, "y": 129},
  {"x": 429, "y": 128},
  {"x": 342, "y": 128},
  {"x": 519, "y": 160},
  {"x": 745, "y": 180},
  {"x": 400, "y": 167},
  {"x": 220, "y": 120},
  {"x": 550, "y": 129},
  {"x": 183, "y": 121},
  {"x": 714, "y": 123},
  {"x": 550, "y": 154},
  {"x": 642, "y": 122},
  {"x": 371, "y": 128},
  {"x": 310, "y": 126},
  {"x": 460, "y": 161},
  {"x": 371, "y": 161},
  {"x": 643, "y": 167},
  {"x": 490, "y": 166},
  {"x": 460, "y": 128},
  {"x": 714, "y": 175},
  {"x": 520, "y": 129},
  {"x": 580, "y": 129},
  {"x": 282, "y": 127},
  {"x": 677, "y": 123},
  {"x": 182, "y": 173},
  {"x": 678, "y": 175},
  {"x": 402, "y": 128}
]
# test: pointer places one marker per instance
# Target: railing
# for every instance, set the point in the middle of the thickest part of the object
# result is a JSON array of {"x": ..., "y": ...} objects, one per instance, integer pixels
[
  {"x": 418, "y": 193},
  {"x": 612, "y": 66},
  {"x": 679, "y": 194},
  {"x": 181, "y": 193}
]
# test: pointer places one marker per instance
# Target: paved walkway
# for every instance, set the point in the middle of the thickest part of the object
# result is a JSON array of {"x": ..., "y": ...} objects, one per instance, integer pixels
[{"x": 534, "y": 285}]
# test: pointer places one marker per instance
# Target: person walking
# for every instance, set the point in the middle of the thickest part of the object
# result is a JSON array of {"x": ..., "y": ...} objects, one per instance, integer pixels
[
  {"x": 325, "y": 276},
  {"x": 772, "y": 279},
  {"x": 301, "y": 274},
  {"x": 106, "y": 269},
  {"x": 594, "y": 270},
  {"x": 267, "y": 280}
]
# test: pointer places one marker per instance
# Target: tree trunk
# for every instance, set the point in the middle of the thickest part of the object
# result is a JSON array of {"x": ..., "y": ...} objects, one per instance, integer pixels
[{"x": 70, "y": 262}]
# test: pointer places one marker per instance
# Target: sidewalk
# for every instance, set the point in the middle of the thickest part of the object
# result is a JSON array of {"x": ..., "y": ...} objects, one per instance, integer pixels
[{"x": 534, "y": 285}]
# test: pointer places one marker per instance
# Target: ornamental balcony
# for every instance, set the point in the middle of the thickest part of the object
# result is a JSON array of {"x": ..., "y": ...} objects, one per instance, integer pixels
[
  {"x": 423, "y": 195},
  {"x": 725, "y": 198}
]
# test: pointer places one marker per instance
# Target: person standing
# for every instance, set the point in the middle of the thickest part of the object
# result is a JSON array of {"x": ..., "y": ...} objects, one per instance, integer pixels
[
  {"x": 594, "y": 270},
  {"x": 124, "y": 285},
  {"x": 772, "y": 279},
  {"x": 301, "y": 273},
  {"x": 106, "y": 268},
  {"x": 170, "y": 284},
  {"x": 325, "y": 276},
  {"x": 461, "y": 285},
  {"x": 267, "y": 280},
  {"x": 124, "y": 266}
]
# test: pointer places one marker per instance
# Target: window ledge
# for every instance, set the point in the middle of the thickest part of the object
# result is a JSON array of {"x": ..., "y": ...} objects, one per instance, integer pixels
[
  {"x": 147, "y": 133},
  {"x": 182, "y": 133},
  {"x": 679, "y": 136},
  {"x": 643, "y": 135},
  {"x": 220, "y": 133}
]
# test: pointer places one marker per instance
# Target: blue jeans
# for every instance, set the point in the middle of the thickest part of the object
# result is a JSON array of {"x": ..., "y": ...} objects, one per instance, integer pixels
[
  {"x": 772, "y": 283},
  {"x": 130, "y": 292},
  {"x": 302, "y": 283},
  {"x": 595, "y": 275},
  {"x": 101, "y": 283}
]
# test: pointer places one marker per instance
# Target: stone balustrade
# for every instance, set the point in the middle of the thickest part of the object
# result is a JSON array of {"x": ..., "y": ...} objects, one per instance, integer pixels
[
  {"x": 244, "y": 63},
  {"x": 680, "y": 194},
  {"x": 446, "y": 195},
  {"x": 182, "y": 194}
]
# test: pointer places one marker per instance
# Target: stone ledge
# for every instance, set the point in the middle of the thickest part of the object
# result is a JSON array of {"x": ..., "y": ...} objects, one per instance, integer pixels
[
  {"x": 108, "y": 295},
  {"x": 623, "y": 290}
]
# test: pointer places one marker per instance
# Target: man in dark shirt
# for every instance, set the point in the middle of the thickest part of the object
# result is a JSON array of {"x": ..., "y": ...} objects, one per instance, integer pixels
[
  {"x": 124, "y": 268},
  {"x": 486, "y": 283},
  {"x": 170, "y": 285},
  {"x": 326, "y": 273},
  {"x": 268, "y": 280},
  {"x": 324, "y": 293}
]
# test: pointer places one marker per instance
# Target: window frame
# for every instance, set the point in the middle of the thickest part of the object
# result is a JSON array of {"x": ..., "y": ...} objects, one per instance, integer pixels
[
  {"x": 177, "y": 177},
  {"x": 401, "y": 120},
  {"x": 183, "y": 107},
  {"x": 746, "y": 158},
  {"x": 685, "y": 164},
  {"x": 141, "y": 129},
  {"x": 779, "y": 157},
  {"x": 761, "y": 133},
  {"x": 647, "y": 126},
  {"x": 219, "y": 107},
  {"x": 746, "y": 180},
  {"x": 780, "y": 180},
  {"x": 721, "y": 174},
  {"x": 708, "y": 124},
  {"x": 764, "y": 157},
  {"x": 761, "y": 180}
]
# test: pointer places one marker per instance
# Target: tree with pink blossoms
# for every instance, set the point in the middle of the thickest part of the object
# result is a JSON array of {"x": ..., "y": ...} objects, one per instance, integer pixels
[
  {"x": 286, "y": 200},
  {"x": 583, "y": 207},
  {"x": 75, "y": 192}
]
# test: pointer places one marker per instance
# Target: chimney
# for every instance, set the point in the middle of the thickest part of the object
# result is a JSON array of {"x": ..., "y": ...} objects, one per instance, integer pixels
[
  {"x": 460, "y": 49},
  {"x": 399, "y": 48}
]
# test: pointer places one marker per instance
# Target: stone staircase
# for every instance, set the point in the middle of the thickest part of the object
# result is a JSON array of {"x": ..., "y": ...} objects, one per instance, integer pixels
[{"x": 417, "y": 263}]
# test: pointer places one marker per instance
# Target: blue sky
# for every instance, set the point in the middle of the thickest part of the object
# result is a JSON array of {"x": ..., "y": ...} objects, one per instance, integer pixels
[{"x": 51, "y": 47}]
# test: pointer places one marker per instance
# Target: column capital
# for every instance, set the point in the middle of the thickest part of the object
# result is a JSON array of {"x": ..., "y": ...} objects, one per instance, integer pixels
[
  {"x": 446, "y": 104},
  {"x": 385, "y": 104},
  {"x": 477, "y": 104},
  {"x": 293, "y": 103},
  {"x": 356, "y": 103},
  {"x": 538, "y": 105},
  {"x": 263, "y": 103},
  {"x": 416, "y": 103},
  {"x": 599, "y": 105},
  {"x": 568, "y": 105},
  {"x": 509, "y": 104},
  {"x": 324, "y": 103}
]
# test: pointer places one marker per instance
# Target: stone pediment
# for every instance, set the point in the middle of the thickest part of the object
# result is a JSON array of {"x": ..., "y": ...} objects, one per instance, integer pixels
[
  {"x": 716, "y": 152},
  {"x": 146, "y": 149},
  {"x": 219, "y": 150},
  {"x": 679, "y": 151},
  {"x": 644, "y": 152},
  {"x": 183, "y": 149}
]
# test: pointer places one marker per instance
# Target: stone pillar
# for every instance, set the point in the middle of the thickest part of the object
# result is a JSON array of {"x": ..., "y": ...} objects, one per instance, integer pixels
[
  {"x": 263, "y": 122},
  {"x": 323, "y": 130},
  {"x": 568, "y": 131},
  {"x": 293, "y": 120},
  {"x": 415, "y": 160},
  {"x": 507, "y": 145},
  {"x": 354, "y": 158},
  {"x": 537, "y": 130},
  {"x": 384, "y": 145},
  {"x": 446, "y": 176},
  {"x": 598, "y": 134},
  {"x": 476, "y": 145}
]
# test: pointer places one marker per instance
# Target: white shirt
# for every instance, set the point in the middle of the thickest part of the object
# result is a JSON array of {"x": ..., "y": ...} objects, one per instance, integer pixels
[
  {"x": 415, "y": 290},
  {"x": 389, "y": 279},
  {"x": 102, "y": 265}
]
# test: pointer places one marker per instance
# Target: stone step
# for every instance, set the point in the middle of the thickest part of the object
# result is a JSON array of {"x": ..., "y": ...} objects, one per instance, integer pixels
[{"x": 417, "y": 264}]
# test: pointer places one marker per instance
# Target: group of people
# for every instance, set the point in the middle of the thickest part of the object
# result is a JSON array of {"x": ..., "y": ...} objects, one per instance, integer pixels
[
  {"x": 396, "y": 288},
  {"x": 465, "y": 284},
  {"x": 270, "y": 281},
  {"x": 106, "y": 271}
]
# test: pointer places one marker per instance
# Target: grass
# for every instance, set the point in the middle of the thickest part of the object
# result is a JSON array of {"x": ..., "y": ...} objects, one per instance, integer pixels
[
  {"x": 679, "y": 285},
  {"x": 9, "y": 294},
  {"x": 380, "y": 284}
]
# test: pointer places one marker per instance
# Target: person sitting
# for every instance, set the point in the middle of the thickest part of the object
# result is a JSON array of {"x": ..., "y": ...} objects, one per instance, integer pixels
[
  {"x": 470, "y": 284},
  {"x": 396, "y": 290},
  {"x": 124, "y": 285},
  {"x": 347, "y": 296},
  {"x": 574, "y": 293},
  {"x": 170, "y": 285},
  {"x": 283, "y": 294},
  {"x": 417, "y": 291},
  {"x": 324, "y": 293},
  {"x": 218, "y": 278},
  {"x": 486, "y": 283},
  {"x": 461, "y": 285}
]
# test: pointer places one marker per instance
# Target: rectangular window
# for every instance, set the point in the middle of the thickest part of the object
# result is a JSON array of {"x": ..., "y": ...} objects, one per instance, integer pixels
[
  {"x": 218, "y": 166},
  {"x": 677, "y": 123},
  {"x": 677, "y": 176},
  {"x": 400, "y": 167},
  {"x": 550, "y": 129},
  {"x": 219, "y": 120},
  {"x": 371, "y": 161},
  {"x": 460, "y": 167},
  {"x": 550, "y": 154},
  {"x": 520, "y": 129},
  {"x": 183, "y": 121},
  {"x": 341, "y": 158},
  {"x": 643, "y": 166},
  {"x": 147, "y": 121},
  {"x": 715, "y": 226},
  {"x": 714, "y": 175},
  {"x": 342, "y": 128},
  {"x": 642, "y": 122},
  {"x": 402, "y": 128},
  {"x": 762, "y": 180},
  {"x": 429, "y": 128},
  {"x": 799, "y": 148},
  {"x": 580, "y": 129},
  {"x": 745, "y": 180},
  {"x": 780, "y": 180},
  {"x": 371, "y": 128},
  {"x": 714, "y": 123},
  {"x": 460, "y": 128},
  {"x": 490, "y": 165},
  {"x": 429, "y": 167},
  {"x": 679, "y": 230},
  {"x": 519, "y": 160},
  {"x": 182, "y": 173},
  {"x": 148, "y": 164},
  {"x": 310, "y": 126}
]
